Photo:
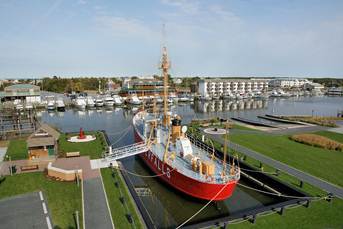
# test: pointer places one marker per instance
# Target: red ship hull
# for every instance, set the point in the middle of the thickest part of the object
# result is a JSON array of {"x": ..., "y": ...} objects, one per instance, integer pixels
[{"x": 185, "y": 184}]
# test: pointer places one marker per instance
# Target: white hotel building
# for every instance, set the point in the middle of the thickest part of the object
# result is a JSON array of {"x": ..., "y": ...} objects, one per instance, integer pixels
[
  {"x": 219, "y": 87},
  {"x": 288, "y": 82}
]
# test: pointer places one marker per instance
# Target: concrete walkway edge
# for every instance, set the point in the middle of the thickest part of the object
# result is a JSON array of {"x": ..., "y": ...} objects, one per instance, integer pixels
[{"x": 108, "y": 205}]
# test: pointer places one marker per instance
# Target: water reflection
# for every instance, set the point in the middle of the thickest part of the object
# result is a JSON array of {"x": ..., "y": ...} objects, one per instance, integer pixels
[{"x": 223, "y": 105}]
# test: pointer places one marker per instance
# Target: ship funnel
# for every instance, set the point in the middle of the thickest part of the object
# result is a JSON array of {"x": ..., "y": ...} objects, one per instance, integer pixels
[{"x": 176, "y": 128}]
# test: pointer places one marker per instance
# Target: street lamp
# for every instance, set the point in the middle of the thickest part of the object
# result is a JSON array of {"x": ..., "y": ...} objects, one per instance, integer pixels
[{"x": 10, "y": 166}]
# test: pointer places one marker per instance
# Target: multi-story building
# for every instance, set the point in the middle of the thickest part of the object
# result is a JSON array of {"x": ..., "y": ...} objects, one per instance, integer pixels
[
  {"x": 288, "y": 82},
  {"x": 25, "y": 92},
  {"x": 143, "y": 87},
  {"x": 219, "y": 87}
]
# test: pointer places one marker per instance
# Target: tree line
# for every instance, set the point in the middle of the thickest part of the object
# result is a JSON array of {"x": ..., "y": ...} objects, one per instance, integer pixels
[{"x": 68, "y": 85}]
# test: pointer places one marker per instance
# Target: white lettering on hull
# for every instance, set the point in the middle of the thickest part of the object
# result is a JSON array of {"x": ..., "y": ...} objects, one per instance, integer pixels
[{"x": 159, "y": 165}]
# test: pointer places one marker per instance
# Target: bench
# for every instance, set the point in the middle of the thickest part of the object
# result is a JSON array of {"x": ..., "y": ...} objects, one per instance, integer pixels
[
  {"x": 73, "y": 154},
  {"x": 29, "y": 167}
]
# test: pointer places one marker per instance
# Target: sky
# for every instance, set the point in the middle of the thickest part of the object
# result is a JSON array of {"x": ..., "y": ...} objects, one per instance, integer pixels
[{"x": 255, "y": 38}]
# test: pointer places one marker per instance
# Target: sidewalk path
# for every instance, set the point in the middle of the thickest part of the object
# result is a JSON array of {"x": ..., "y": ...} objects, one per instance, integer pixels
[
  {"x": 96, "y": 212},
  {"x": 315, "y": 181}
]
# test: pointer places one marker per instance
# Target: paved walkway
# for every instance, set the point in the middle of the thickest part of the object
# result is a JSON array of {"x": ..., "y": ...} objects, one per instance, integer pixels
[
  {"x": 75, "y": 163},
  {"x": 315, "y": 181},
  {"x": 96, "y": 212},
  {"x": 25, "y": 211}
]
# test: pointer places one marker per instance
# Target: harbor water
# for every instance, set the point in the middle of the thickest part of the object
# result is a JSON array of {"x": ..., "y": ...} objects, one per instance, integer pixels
[{"x": 167, "y": 207}]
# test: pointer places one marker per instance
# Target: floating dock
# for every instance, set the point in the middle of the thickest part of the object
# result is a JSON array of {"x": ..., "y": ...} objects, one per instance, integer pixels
[
  {"x": 275, "y": 118},
  {"x": 254, "y": 123}
]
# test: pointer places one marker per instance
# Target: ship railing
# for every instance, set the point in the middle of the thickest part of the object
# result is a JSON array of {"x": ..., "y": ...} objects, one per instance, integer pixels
[
  {"x": 204, "y": 147},
  {"x": 201, "y": 145}
]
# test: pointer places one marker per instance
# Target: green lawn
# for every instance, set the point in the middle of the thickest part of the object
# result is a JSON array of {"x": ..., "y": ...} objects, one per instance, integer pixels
[
  {"x": 240, "y": 127},
  {"x": 119, "y": 210},
  {"x": 326, "y": 164},
  {"x": 334, "y": 136},
  {"x": 94, "y": 149},
  {"x": 63, "y": 198},
  {"x": 321, "y": 214},
  {"x": 17, "y": 150}
]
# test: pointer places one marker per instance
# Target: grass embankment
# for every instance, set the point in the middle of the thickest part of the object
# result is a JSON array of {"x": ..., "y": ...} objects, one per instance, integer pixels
[
  {"x": 317, "y": 141},
  {"x": 17, "y": 150},
  {"x": 321, "y": 214},
  {"x": 115, "y": 190},
  {"x": 94, "y": 149},
  {"x": 63, "y": 198},
  {"x": 326, "y": 164},
  {"x": 317, "y": 120}
]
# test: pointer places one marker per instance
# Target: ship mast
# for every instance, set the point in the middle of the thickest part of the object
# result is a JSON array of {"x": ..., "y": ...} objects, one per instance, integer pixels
[
  {"x": 225, "y": 148},
  {"x": 165, "y": 65}
]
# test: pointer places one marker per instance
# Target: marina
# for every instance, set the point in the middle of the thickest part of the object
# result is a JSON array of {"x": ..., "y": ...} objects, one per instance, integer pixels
[{"x": 117, "y": 123}]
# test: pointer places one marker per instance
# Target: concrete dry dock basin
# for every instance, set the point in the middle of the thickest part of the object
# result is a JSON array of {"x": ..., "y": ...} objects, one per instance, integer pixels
[
  {"x": 165, "y": 207},
  {"x": 161, "y": 206}
]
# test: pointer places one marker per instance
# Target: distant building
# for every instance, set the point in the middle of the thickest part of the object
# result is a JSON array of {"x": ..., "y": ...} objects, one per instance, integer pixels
[
  {"x": 111, "y": 86},
  {"x": 25, "y": 92},
  {"x": 143, "y": 87},
  {"x": 335, "y": 91},
  {"x": 219, "y": 87},
  {"x": 287, "y": 82},
  {"x": 177, "y": 81},
  {"x": 313, "y": 86}
]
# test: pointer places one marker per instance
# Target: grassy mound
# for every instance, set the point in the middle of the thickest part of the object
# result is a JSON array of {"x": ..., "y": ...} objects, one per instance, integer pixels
[
  {"x": 318, "y": 141},
  {"x": 317, "y": 120}
]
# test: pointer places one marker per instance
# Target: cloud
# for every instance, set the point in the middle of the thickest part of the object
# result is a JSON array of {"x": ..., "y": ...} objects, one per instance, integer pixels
[
  {"x": 81, "y": 2},
  {"x": 124, "y": 26},
  {"x": 187, "y": 6}
]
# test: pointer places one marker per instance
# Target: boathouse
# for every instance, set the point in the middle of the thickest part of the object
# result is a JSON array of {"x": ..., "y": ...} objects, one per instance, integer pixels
[
  {"x": 43, "y": 142},
  {"x": 25, "y": 92}
]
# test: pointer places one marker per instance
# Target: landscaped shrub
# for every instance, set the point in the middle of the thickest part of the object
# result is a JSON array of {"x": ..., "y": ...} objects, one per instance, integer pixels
[
  {"x": 318, "y": 141},
  {"x": 317, "y": 120}
]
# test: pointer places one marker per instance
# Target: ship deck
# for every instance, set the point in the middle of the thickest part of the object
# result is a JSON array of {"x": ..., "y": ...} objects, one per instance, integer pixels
[{"x": 179, "y": 163}]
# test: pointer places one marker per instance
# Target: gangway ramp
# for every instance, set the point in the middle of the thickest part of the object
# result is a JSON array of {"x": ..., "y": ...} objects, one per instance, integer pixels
[
  {"x": 119, "y": 153},
  {"x": 127, "y": 151}
]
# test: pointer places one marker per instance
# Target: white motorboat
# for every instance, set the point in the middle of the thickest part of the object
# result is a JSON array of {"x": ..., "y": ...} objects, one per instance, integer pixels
[
  {"x": 99, "y": 102},
  {"x": 183, "y": 98},
  {"x": 51, "y": 105},
  {"x": 134, "y": 100},
  {"x": 80, "y": 103},
  {"x": 60, "y": 104},
  {"x": 108, "y": 101},
  {"x": 28, "y": 106},
  {"x": 90, "y": 102},
  {"x": 117, "y": 100}
]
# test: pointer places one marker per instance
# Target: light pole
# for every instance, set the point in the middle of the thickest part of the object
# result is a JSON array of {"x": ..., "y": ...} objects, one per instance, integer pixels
[{"x": 10, "y": 166}]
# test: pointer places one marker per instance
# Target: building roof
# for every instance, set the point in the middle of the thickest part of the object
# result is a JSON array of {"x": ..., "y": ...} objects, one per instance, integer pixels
[
  {"x": 43, "y": 136},
  {"x": 21, "y": 86},
  {"x": 235, "y": 80},
  {"x": 20, "y": 90}
]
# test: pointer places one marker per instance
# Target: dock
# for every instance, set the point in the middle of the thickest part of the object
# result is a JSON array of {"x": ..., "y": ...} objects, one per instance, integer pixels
[{"x": 254, "y": 123}]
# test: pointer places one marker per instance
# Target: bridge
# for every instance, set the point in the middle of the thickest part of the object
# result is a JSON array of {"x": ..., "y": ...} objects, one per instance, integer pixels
[
  {"x": 127, "y": 151},
  {"x": 119, "y": 153}
]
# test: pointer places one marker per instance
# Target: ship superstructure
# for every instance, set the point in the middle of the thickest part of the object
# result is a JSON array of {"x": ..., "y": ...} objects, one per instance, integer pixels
[{"x": 182, "y": 161}]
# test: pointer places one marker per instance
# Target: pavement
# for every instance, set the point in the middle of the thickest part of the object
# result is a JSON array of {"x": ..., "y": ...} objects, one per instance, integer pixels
[
  {"x": 25, "y": 211},
  {"x": 315, "y": 181},
  {"x": 3, "y": 151},
  {"x": 75, "y": 163},
  {"x": 338, "y": 129},
  {"x": 96, "y": 211}
]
